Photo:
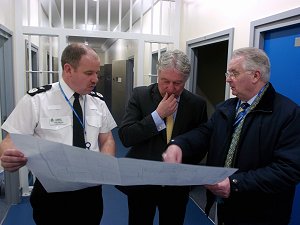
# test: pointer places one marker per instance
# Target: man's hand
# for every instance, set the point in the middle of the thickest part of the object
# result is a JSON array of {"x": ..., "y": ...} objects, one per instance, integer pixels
[
  {"x": 173, "y": 154},
  {"x": 167, "y": 106},
  {"x": 12, "y": 160},
  {"x": 221, "y": 189}
]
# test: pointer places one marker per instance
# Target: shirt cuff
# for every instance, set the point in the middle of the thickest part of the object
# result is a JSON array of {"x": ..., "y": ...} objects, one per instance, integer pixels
[{"x": 159, "y": 122}]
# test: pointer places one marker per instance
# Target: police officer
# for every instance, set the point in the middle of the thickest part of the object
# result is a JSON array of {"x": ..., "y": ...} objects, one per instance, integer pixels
[{"x": 47, "y": 112}]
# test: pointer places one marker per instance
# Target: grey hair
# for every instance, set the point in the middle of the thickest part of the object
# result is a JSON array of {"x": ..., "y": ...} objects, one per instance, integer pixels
[
  {"x": 255, "y": 59},
  {"x": 175, "y": 59}
]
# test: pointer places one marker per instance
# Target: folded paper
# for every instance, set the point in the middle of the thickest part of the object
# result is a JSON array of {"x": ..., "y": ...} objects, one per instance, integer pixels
[{"x": 61, "y": 167}]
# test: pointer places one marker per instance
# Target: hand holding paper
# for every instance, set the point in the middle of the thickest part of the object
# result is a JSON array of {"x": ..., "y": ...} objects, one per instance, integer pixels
[{"x": 62, "y": 167}]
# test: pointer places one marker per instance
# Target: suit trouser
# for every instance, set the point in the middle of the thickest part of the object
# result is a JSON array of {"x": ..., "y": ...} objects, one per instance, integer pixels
[
  {"x": 66, "y": 207},
  {"x": 171, "y": 202}
]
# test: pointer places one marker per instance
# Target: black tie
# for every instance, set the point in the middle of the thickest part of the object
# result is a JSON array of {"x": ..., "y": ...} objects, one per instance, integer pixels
[{"x": 78, "y": 132}]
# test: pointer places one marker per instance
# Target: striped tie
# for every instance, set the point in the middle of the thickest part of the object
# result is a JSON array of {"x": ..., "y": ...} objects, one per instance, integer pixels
[
  {"x": 240, "y": 113},
  {"x": 236, "y": 134}
]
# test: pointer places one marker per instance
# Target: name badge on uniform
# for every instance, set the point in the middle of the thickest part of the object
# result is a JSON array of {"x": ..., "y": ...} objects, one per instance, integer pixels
[{"x": 57, "y": 121}]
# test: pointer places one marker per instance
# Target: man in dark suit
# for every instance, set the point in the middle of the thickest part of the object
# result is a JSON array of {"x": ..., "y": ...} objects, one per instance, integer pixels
[
  {"x": 257, "y": 132},
  {"x": 144, "y": 130}
]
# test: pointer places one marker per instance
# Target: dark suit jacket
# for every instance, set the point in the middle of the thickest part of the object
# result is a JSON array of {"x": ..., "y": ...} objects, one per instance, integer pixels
[
  {"x": 138, "y": 130},
  {"x": 268, "y": 158}
]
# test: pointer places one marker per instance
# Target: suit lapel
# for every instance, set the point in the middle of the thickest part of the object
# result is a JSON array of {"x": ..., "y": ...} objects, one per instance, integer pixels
[{"x": 156, "y": 95}]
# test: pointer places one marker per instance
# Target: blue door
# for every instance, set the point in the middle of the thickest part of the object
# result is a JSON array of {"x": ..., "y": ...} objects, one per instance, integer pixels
[{"x": 283, "y": 47}]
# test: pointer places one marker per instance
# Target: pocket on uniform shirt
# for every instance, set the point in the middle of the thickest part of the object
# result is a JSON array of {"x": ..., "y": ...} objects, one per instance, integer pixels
[
  {"x": 94, "y": 121},
  {"x": 93, "y": 124}
]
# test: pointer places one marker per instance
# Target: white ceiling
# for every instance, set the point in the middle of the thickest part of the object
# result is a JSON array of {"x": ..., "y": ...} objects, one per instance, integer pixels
[
  {"x": 92, "y": 7},
  {"x": 99, "y": 43}
]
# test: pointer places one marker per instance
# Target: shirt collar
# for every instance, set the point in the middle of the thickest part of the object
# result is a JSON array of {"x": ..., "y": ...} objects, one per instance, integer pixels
[
  {"x": 254, "y": 97},
  {"x": 67, "y": 90},
  {"x": 251, "y": 100}
]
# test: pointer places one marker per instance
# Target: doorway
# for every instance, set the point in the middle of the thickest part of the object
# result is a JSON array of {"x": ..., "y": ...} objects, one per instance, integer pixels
[
  {"x": 210, "y": 83},
  {"x": 209, "y": 58},
  {"x": 122, "y": 85}
]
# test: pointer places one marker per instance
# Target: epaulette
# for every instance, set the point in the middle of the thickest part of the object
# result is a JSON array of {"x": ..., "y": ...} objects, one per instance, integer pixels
[
  {"x": 41, "y": 89},
  {"x": 97, "y": 94}
]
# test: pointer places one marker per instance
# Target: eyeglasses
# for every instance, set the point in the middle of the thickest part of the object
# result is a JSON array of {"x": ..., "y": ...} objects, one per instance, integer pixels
[
  {"x": 234, "y": 74},
  {"x": 231, "y": 74}
]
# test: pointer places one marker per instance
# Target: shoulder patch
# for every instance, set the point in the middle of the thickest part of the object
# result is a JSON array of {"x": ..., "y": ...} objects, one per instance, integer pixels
[
  {"x": 41, "y": 89},
  {"x": 97, "y": 94}
]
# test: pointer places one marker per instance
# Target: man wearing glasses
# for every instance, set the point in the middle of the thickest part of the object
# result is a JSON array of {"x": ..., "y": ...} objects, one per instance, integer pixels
[{"x": 257, "y": 132}]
